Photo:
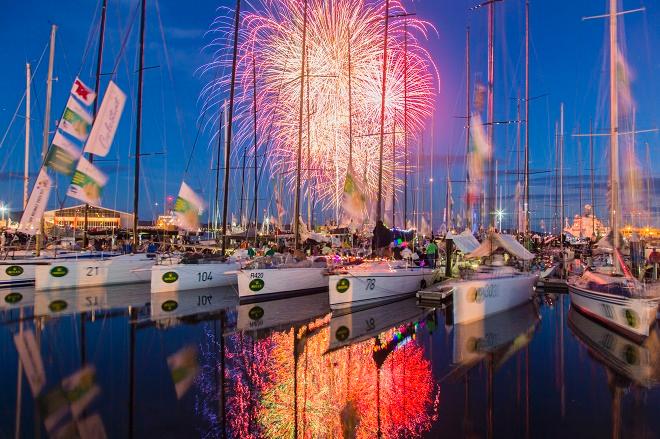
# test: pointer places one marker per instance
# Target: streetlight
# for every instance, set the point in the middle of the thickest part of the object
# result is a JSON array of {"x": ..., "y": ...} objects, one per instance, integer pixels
[{"x": 3, "y": 209}]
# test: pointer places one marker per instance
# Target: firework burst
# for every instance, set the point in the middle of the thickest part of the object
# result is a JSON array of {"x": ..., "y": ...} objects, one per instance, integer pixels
[{"x": 342, "y": 88}]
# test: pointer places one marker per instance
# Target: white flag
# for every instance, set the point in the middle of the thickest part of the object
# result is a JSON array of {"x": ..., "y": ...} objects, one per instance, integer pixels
[
  {"x": 87, "y": 183},
  {"x": 82, "y": 92},
  {"x": 107, "y": 120},
  {"x": 36, "y": 205},
  {"x": 187, "y": 208},
  {"x": 76, "y": 120}
]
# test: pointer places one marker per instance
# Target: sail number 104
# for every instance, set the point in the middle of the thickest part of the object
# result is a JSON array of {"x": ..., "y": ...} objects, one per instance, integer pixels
[{"x": 204, "y": 276}]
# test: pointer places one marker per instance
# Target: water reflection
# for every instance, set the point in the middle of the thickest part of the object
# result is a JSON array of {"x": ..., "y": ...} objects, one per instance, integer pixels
[{"x": 122, "y": 362}]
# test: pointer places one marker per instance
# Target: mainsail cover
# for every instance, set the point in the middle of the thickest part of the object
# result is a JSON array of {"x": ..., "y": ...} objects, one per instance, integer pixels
[
  {"x": 465, "y": 242},
  {"x": 497, "y": 241}
]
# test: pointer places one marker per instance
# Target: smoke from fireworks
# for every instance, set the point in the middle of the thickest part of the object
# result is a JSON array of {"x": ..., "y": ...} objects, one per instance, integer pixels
[{"x": 344, "y": 52}]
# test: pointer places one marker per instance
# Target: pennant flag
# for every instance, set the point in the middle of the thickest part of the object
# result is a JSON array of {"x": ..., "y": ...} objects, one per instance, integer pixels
[
  {"x": 36, "y": 205},
  {"x": 63, "y": 155},
  {"x": 87, "y": 183},
  {"x": 76, "y": 121},
  {"x": 31, "y": 361},
  {"x": 80, "y": 389},
  {"x": 107, "y": 120},
  {"x": 354, "y": 201},
  {"x": 183, "y": 369},
  {"x": 82, "y": 92},
  {"x": 187, "y": 208},
  {"x": 480, "y": 152}
]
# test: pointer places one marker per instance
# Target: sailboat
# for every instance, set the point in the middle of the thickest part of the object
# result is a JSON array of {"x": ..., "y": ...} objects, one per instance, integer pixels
[
  {"x": 379, "y": 281},
  {"x": 494, "y": 287},
  {"x": 611, "y": 294},
  {"x": 117, "y": 270}
]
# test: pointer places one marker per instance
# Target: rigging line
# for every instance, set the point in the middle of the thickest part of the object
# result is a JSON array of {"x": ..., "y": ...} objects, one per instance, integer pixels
[
  {"x": 20, "y": 103},
  {"x": 92, "y": 31},
  {"x": 129, "y": 29}
]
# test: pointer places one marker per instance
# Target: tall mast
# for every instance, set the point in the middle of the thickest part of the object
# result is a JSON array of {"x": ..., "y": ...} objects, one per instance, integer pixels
[
  {"x": 527, "y": 116},
  {"x": 26, "y": 167},
  {"x": 394, "y": 172},
  {"x": 591, "y": 170},
  {"x": 405, "y": 123},
  {"x": 97, "y": 90},
  {"x": 518, "y": 145},
  {"x": 490, "y": 205},
  {"x": 614, "y": 133},
  {"x": 217, "y": 174},
  {"x": 49, "y": 95},
  {"x": 468, "y": 201},
  {"x": 561, "y": 175},
  {"x": 256, "y": 178},
  {"x": 579, "y": 152},
  {"x": 240, "y": 210},
  {"x": 303, "y": 55},
  {"x": 309, "y": 151},
  {"x": 350, "y": 105},
  {"x": 138, "y": 129},
  {"x": 230, "y": 120},
  {"x": 379, "y": 199}
]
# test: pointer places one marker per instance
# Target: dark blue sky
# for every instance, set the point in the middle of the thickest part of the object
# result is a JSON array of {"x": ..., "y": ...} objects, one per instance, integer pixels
[{"x": 568, "y": 59}]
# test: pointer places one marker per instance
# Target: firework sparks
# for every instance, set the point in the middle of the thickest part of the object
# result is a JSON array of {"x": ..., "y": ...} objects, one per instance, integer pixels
[{"x": 337, "y": 31}]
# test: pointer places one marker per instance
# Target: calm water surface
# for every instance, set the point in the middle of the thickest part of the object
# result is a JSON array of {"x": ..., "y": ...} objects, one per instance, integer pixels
[{"x": 126, "y": 363}]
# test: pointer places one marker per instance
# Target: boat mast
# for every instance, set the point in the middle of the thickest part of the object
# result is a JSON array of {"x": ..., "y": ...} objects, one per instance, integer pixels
[
  {"x": 256, "y": 178},
  {"x": 561, "y": 175},
  {"x": 468, "y": 201},
  {"x": 579, "y": 154},
  {"x": 591, "y": 165},
  {"x": 26, "y": 166},
  {"x": 309, "y": 152},
  {"x": 614, "y": 134},
  {"x": 97, "y": 90},
  {"x": 526, "y": 195},
  {"x": 394, "y": 172},
  {"x": 491, "y": 107},
  {"x": 217, "y": 174},
  {"x": 230, "y": 119},
  {"x": 49, "y": 95},
  {"x": 379, "y": 199},
  {"x": 138, "y": 129},
  {"x": 405, "y": 123},
  {"x": 303, "y": 56}
]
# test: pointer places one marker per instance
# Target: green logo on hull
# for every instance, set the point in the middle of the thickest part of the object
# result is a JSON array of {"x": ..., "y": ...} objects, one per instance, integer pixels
[
  {"x": 342, "y": 333},
  {"x": 14, "y": 270},
  {"x": 58, "y": 305},
  {"x": 59, "y": 271},
  {"x": 256, "y": 313},
  {"x": 170, "y": 277},
  {"x": 256, "y": 285},
  {"x": 13, "y": 298},
  {"x": 632, "y": 319},
  {"x": 169, "y": 305},
  {"x": 343, "y": 285}
]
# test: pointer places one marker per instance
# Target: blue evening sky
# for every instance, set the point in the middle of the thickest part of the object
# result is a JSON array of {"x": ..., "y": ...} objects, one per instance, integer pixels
[{"x": 569, "y": 65}]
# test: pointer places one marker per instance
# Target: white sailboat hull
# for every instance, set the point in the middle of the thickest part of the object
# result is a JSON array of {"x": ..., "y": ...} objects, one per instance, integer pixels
[
  {"x": 364, "y": 286},
  {"x": 182, "y": 277},
  {"x": 631, "y": 316},
  {"x": 474, "y": 299},
  {"x": 80, "y": 273},
  {"x": 21, "y": 272},
  {"x": 259, "y": 284}
]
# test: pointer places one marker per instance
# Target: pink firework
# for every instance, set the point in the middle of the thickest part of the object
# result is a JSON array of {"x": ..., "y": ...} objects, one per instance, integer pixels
[{"x": 342, "y": 88}]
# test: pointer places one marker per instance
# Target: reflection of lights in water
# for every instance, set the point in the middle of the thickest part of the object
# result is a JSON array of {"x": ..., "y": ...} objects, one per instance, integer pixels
[{"x": 337, "y": 391}]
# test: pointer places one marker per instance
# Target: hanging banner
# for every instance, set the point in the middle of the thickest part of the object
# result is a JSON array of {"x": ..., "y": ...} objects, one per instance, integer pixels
[
  {"x": 31, "y": 361},
  {"x": 63, "y": 155},
  {"x": 82, "y": 92},
  {"x": 354, "y": 201},
  {"x": 183, "y": 369},
  {"x": 76, "y": 120},
  {"x": 107, "y": 120},
  {"x": 187, "y": 208},
  {"x": 36, "y": 205},
  {"x": 87, "y": 183}
]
